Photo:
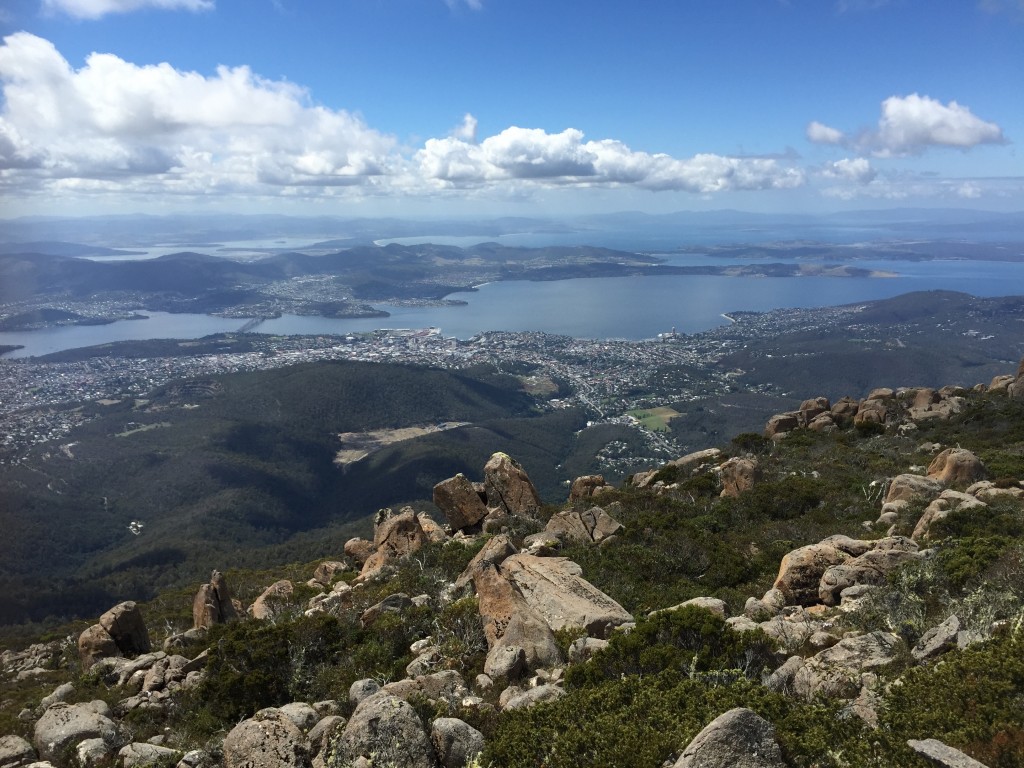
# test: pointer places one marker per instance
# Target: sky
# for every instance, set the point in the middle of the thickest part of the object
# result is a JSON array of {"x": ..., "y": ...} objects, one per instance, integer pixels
[{"x": 451, "y": 108}]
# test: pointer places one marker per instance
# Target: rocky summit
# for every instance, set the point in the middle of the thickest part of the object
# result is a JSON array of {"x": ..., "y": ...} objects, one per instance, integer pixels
[{"x": 844, "y": 589}]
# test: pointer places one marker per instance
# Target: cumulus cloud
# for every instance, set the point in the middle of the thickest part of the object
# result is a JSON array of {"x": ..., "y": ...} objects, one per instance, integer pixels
[
  {"x": 852, "y": 169},
  {"x": 823, "y": 134},
  {"x": 565, "y": 158},
  {"x": 114, "y": 126},
  {"x": 94, "y": 9},
  {"x": 911, "y": 124},
  {"x": 112, "y": 117}
]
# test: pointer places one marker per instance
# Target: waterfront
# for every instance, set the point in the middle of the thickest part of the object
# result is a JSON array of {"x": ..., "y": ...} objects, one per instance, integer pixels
[{"x": 621, "y": 307}]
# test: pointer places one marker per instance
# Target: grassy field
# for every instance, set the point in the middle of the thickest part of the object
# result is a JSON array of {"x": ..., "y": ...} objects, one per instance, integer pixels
[{"x": 655, "y": 419}]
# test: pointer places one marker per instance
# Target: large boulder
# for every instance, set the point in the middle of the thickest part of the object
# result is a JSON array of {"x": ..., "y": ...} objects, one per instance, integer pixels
[
  {"x": 269, "y": 739},
  {"x": 781, "y": 423},
  {"x": 586, "y": 487},
  {"x": 871, "y": 567},
  {"x": 591, "y": 526},
  {"x": 528, "y": 636},
  {"x": 397, "y": 536},
  {"x": 273, "y": 601},
  {"x": 144, "y": 755},
  {"x": 910, "y": 487},
  {"x": 64, "y": 726},
  {"x": 739, "y": 738},
  {"x": 555, "y": 588},
  {"x": 837, "y": 671},
  {"x": 455, "y": 741},
  {"x": 801, "y": 570},
  {"x": 508, "y": 488},
  {"x": 943, "y": 755},
  {"x": 738, "y": 475},
  {"x": 95, "y": 643},
  {"x": 458, "y": 500},
  {"x": 125, "y": 624},
  {"x": 15, "y": 752},
  {"x": 213, "y": 603},
  {"x": 956, "y": 466},
  {"x": 387, "y": 730}
]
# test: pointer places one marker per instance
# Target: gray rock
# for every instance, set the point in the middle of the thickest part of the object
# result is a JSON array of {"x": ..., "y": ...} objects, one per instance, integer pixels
[
  {"x": 836, "y": 671},
  {"x": 739, "y": 738},
  {"x": 95, "y": 643},
  {"x": 269, "y": 739},
  {"x": 323, "y": 735},
  {"x": 531, "y": 696},
  {"x": 60, "y": 693},
  {"x": 15, "y": 752},
  {"x": 387, "y": 729},
  {"x": 455, "y": 742},
  {"x": 506, "y": 661},
  {"x": 712, "y": 604},
  {"x": 943, "y": 754},
  {"x": 137, "y": 755},
  {"x": 395, "y": 603},
  {"x": 93, "y": 753},
  {"x": 362, "y": 689},
  {"x": 458, "y": 500},
  {"x": 63, "y": 726},
  {"x": 583, "y": 648},
  {"x": 300, "y": 713},
  {"x": 508, "y": 488},
  {"x": 937, "y": 640}
]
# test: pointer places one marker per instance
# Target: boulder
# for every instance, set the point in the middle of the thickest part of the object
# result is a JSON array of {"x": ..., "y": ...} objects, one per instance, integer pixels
[
  {"x": 300, "y": 713},
  {"x": 739, "y": 738},
  {"x": 140, "y": 754},
  {"x": 15, "y": 752},
  {"x": 362, "y": 689},
  {"x": 459, "y": 502},
  {"x": 738, "y": 475},
  {"x": 63, "y": 726},
  {"x": 870, "y": 568},
  {"x": 910, "y": 487},
  {"x": 586, "y": 487},
  {"x": 273, "y": 601},
  {"x": 696, "y": 458},
  {"x": 943, "y": 755},
  {"x": 591, "y": 526},
  {"x": 398, "y": 536},
  {"x": 508, "y": 488},
  {"x": 269, "y": 739},
  {"x": 328, "y": 570},
  {"x": 95, "y": 643},
  {"x": 555, "y": 588},
  {"x": 937, "y": 640},
  {"x": 526, "y": 633},
  {"x": 712, "y": 604},
  {"x": 844, "y": 410},
  {"x": 956, "y": 466},
  {"x": 871, "y": 412},
  {"x": 531, "y": 696},
  {"x": 359, "y": 549},
  {"x": 456, "y": 742},
  {"x": 780, "y": 424},
  {"x": 801, "y": 570},
  {"x": 445, "y": 687},
  {"x": 836, "y": 671},
  {"x": 125, "y": 624},
  {"x": 493, "y": 553},
  {"x": 387, "y": 730},
  {"x": 213, "y": 603},
  {"x": 322, "y": 735}
]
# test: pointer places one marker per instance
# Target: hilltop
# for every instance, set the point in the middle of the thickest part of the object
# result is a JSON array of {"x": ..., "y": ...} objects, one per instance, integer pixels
[{"x": 841, "y": 589}]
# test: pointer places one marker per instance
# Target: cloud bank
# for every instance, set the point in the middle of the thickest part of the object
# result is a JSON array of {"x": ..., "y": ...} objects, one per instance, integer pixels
[
  {"x": 910, "y": 125},
  {"x": 114, "y": 125},
  {"x": 95, "y": 9}
]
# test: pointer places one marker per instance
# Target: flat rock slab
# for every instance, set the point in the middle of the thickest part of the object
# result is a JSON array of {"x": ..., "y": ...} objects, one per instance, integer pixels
[
  {"x": 555, "y": 588},
  {"x": 943, "y": 754}
]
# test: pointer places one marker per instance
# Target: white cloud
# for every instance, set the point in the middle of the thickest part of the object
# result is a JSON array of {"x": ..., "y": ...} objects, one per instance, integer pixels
[
  {"x": 112, "y": 118},
  {"x": 475, "y": 5},
  {"x": 113, "y": 126},
  {"x": 911, "y": 124},
  {"x": 94, "y": 9},
  {"x": 823, "y": 134},
  {"x": 856, "y": 169},
  {"x": 564, "y": 158},
  {"x": 466, "y": 131}
]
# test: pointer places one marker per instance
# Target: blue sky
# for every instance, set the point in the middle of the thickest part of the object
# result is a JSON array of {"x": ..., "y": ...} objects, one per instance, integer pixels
[{"x": 509, "y": 107}]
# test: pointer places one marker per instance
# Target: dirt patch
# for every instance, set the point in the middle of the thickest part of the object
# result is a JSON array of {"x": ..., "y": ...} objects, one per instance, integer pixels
[{"x": 356, "y": 446}]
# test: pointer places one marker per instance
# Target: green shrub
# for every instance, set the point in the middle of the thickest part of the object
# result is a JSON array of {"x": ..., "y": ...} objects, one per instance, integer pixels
[{"x": 690, "y": 641}]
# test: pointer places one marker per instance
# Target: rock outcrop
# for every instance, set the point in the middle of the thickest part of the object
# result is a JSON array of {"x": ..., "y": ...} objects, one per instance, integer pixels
[
  {"x": 739, "y": 738},
  {"x": 213, "y": 603}
]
